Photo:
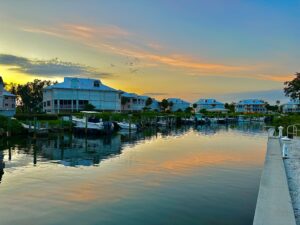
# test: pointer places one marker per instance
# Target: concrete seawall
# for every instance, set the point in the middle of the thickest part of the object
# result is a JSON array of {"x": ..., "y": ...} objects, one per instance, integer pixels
[{"x": 274, "y": 206}]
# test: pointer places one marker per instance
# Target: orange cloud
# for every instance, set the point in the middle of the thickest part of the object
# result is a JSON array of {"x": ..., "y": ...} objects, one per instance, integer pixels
[
  {"x": 93, "y": 37},
  {"x": 113, "y": 39}
]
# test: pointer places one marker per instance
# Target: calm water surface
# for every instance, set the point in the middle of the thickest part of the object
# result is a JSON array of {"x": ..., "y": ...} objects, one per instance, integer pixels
[{"x": 204, "y": 175}]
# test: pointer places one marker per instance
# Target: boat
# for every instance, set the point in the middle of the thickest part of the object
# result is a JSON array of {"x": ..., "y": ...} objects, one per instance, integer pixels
[
  {"x": 85, "y": 123},
  {"x": 243, "y": 119},
  {"x": 127, "y": 126},
  {"x": 190, "y": 120},
  {"x": 91, "y": 123},
  {"x": 161, "y": 121},
  {"x": 32, "y": 129}
]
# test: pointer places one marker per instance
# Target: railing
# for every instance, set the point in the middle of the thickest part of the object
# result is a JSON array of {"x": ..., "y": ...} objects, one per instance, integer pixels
[{"x": 293, "y": 130}]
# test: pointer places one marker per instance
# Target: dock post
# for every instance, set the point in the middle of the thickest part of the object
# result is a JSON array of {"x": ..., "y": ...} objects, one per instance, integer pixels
[
  {"x": 86, "y": 124},
  {"x": 34, "y": 155},
  {"x": 70, "y": 122},
  {"x": 34, "y": 127},
  {"x": 8, "y": 133},
  {"x": 130, "y": 122},
  {"x": 280, "y": 131}
]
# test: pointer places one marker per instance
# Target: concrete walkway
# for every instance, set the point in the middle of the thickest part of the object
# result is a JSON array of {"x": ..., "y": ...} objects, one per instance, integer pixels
[{"x": 274, "y": 206}]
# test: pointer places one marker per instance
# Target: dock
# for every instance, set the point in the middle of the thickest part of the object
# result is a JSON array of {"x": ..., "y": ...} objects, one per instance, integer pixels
[{"x": 274, "y": 205}]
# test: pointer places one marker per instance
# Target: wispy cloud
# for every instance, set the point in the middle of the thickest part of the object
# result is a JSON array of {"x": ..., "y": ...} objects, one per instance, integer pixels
[
  {"x": 53, "y": 67},
  {"x": 101, "y": 38},
  {"x": 113, "y": 39}
]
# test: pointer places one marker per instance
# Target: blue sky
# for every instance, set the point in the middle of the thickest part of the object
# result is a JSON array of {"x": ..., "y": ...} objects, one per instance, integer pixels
[{"x": 188, "y": 49}]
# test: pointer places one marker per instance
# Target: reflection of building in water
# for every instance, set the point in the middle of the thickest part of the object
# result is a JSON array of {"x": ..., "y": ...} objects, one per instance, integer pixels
[
  {"x": 2, "y": 165},
  {"x": 78, "y": 151}
]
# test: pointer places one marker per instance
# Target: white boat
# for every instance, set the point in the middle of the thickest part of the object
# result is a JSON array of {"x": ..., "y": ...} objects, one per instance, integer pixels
[
  {"x": 30, "y": 128},
  {"x": 243, "y": 119},
  {"x": 127, "y": 126},
  {"x": 258, "y": 119},
  {"x": 83, "y": 123}
]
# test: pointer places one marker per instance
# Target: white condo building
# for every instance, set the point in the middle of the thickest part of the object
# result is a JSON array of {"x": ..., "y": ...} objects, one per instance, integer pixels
[
  {"x": 178, "y": 104},
  {"x": 74, "y": 93},
  {"x": 251, "y": 106},
  {"x": 291, "y": 107},
  {"x": 7, "y": 101},
  {"x": 132, "y": 102},
  {"x": 209, "y": 104}
]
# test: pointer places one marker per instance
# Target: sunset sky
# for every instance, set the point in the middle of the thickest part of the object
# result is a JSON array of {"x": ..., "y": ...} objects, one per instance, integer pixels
[{"x": 228, "y": 49}]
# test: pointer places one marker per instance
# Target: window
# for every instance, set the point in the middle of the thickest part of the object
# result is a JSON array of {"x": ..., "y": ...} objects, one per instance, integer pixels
[
  {"x": 48, "y": 103},
  {"x": 55, "y": 102},
  {"x": 74, "y": 102},
  {"x": 97, "y": 83}
]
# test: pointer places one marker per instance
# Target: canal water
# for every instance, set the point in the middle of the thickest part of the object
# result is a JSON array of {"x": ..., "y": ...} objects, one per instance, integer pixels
[{"x": 205, "y": 175}]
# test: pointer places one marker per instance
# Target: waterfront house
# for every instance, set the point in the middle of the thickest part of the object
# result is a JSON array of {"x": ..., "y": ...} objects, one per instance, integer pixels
[
  {"x": 178, "y": 104},
  {"x": 251, "y": 106},
  {"x": 73, "y": 94},
  {"x": 132, "y": 102},
  {"x": 210, "y": 104},
  {"x": 291, "y": 107},
  {"x": 7, "y": 101}
]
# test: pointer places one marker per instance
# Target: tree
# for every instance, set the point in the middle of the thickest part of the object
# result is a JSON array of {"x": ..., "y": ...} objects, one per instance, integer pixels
[
  {"x": 278, "y": 102},
  {"x": 203, "y": 111},
  {"x": 278, "y": 105},
  {"x": 230, "y": 107},
  {"x": 292, "y": 88},
  {"x": 188, "y": 110},
  {"x": 30, "y": 95},
  {"x": 89, "y": 107},
  {"x": 149, "y": 101},
  {"x": 271, "y": 107},
  {"x": 164, "y": 104}
]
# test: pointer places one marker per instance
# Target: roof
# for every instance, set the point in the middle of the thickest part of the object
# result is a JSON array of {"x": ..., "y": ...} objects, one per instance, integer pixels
[
  {"x": 177, "y": 100},
  {"x": 6, "y": 93},
  {"x": 133, "y": 95},
  {"x": 81, "y": 83},
  {"x": 208, "y": 101},
  {"x": 251, "y": 102}
]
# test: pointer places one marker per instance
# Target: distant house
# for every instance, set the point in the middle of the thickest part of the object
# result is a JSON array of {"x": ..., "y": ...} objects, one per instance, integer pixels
[
  {"x": 209, "y": 104},
  {"x": 133, "y": 102},
  {"x": 7, "y": 101},
  {"x": 291, "y": 107},
  {"x": 155, "y": 106},
  {"x": 178, "y": 104},
  {"x": 74, "y": 93},
  {"x": 251, "y": 106}
]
